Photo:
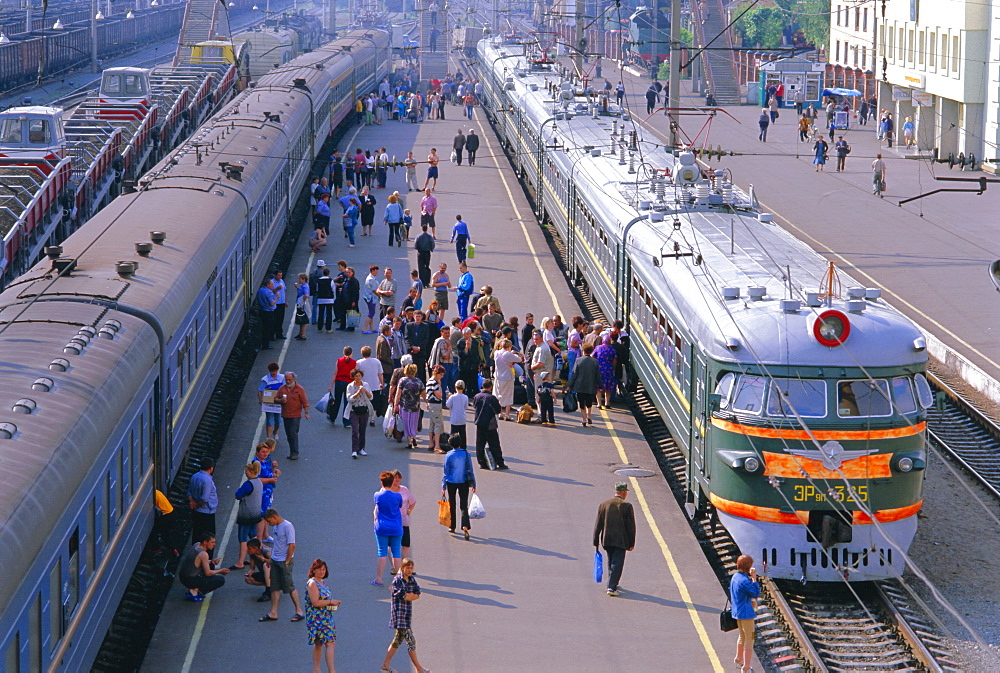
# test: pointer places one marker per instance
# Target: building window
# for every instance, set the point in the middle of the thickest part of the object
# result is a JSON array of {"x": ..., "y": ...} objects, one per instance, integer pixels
[
  {"x": 838, "y": 15},
  {"x": 955, "y": 50},
  {"x": 944, "y": 52},
  {"x": 838, "y": 51},
  {"x": 920, "y": 48},
  {"x": 932, "y": 54},
  {"x": 864, "y": 20},
  {"x": 857, "y": 18},
  {"x": 909, "y": 46},
  {"x": 890, "y": 51},
  {"x": 864, "y": 57},
  {"x": 901, "y": 45}
]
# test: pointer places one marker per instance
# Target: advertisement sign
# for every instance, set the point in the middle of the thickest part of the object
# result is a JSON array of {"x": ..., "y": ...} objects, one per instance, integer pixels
[
  {"x": 900, "y": 92},
  {"x": 921, "y": 98}
]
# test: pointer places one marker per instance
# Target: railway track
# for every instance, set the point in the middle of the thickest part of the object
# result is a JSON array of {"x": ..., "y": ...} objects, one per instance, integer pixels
[{"x": 966, "y": 435}]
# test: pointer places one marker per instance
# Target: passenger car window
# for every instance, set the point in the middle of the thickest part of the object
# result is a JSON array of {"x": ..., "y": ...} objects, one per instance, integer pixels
[
  {"x": 866, "y": 398},
  {"x": 802, "y": 397}
]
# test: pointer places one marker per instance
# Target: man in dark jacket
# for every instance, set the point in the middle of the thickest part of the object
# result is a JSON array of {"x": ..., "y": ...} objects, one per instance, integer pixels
[
  {"x": 458, "y": 144},
  {"x": 487, "y": 408},
  {"x": 418, "y": 339},
  {"x": 350, "y": 295},
  {"x": 471, "y": 146},
  {"x": 615, "y": 531},
  {"x": 651, "y": 99},
  {"x": 424, "y": 246}
]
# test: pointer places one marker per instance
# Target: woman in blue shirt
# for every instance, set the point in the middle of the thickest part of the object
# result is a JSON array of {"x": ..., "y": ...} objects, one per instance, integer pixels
[
  {"x": 388, "y": 526},
  {"x": 351, "y": 220},
  {"x": 743, "y": 590}
]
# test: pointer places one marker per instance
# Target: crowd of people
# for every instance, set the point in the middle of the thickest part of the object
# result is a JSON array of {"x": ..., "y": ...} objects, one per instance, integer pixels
[{"x": 403, "y": 100}]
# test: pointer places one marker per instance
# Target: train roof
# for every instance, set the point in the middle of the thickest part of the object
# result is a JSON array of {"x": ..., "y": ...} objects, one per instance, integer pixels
[{"x": 692, "y": 235}]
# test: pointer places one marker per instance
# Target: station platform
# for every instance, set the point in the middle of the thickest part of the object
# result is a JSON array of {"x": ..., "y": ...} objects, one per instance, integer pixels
[
  {"x": 520, "y": 595},
  {"x": 931, "y": 256}
]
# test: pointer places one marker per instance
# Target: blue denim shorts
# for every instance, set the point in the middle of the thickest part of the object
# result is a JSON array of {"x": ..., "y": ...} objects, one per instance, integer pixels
[
  {"x": 384, "y": 542},
  {"x": 272, "y": 419}
]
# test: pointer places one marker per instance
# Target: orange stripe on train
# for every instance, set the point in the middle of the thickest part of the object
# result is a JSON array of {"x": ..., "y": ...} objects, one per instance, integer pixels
[
  {"x": 791, "y": 467},
  {"x": 820, "y": 435},
  {"x": 774, "y": 515}
]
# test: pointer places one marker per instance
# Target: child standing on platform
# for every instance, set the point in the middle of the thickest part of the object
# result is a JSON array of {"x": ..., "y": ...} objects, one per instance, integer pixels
[
  {"x": 546, "y": 402},
  {"x": 405, "y": 590},
  {"x": 407, "y": 223}
]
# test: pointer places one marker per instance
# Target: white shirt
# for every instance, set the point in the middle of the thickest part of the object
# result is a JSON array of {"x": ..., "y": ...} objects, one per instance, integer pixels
[
  {"x": 284, "y": 535},
  {"x": 504, "y": 361},
  {"x": 458, "y": 403},
  {"x": 370, "y": 371}
]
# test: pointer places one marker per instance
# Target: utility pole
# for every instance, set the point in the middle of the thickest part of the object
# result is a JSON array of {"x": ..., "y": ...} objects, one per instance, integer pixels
[
  {"x": 579, "y": 42},
  {"x": 674, "y": 82}
]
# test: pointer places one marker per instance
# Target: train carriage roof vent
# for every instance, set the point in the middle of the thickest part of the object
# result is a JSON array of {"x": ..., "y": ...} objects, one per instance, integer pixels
[
  {"x": 873, "y": 293},
  {"x": 766, "y": 218},
  {"x": 53, "y": 251},
  {"x": 59, "y": 365},
  {"x": 655, "y": 216},
  {"x": 87, "y": 331},
  {"x": 790, "y": 305},
  {"x": 7, "y": 430},
  {"x": 730, "y": 293},
  {"x": 756, "y": 293},
  {"x": 43, "y": 384},
  {"x": 595, "y": 152},
  {"x": 126, "y": 269},
  {"x": 109, "y": 329},
  {"x": 856, "y": 293},
  {"x": 144, "y": 248},
  {"x": 856, "y": 306},
  {"x": 24, "y": 406},
  {"x": 813, "y": 300},
  {"x": 645, "y": 205},
  {"x": 64, "y": 266},
  {"x": 300, "y": 83}
]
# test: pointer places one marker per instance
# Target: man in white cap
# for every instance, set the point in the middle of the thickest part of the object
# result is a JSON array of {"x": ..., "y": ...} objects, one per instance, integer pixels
[
  {"x": 471, "y": 145},
  {"x": 314, "y": 277}
]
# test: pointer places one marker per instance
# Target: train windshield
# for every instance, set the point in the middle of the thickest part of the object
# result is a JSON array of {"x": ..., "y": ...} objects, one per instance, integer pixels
[
  {"x": 10, "y": 132},
  {"x": 748, "y": 394},
  {"x": 902, "y": 394},
  {"x": 39, "y": 132},
  {"x": 924, "y": 393},
  {"x": 797, "y": 397},
  {"x": 868, "y": 397}
]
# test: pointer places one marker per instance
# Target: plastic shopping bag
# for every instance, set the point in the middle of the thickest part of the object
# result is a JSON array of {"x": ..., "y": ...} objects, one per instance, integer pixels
[
  {"x": 323, "y": 403},
  {"x": 353, "y": 319},
  {"x": 470, "y": 250},
  {"x": 476, "y": 509},
  {"x": 598, "y": 566},
  {"x": 444, "y": 513},
  {"x": 389, "y": 424}
]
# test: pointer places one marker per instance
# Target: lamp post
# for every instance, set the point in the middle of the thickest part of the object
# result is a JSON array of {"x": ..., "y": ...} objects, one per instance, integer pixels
[{"x": 95, "y": 15}]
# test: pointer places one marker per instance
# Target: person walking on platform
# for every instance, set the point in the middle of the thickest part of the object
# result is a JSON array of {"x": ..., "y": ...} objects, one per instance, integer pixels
[
  {"x": 342, "y": 377},
  {"x": 466, "y": 285},
  {"x": 461, "y": 238},
  {"x": 269, "y": 383},
  {"x": 393, "y": 219},
  {"x": 359, "y": 398},
  {"x": 320, "y": 605},
  {"x": 325, "y": 298},
  {"x": 487, "y": 409},
  {"x": 250, "y": 495},
  {"x": 282, "y": 556},
  {"x": 405, "y": 590},
  {"x": 471, "y": 146},
  {"x": 772, "y": 108},
  {"x": 620, "y": 93},
  {"x": 197, "y": 570},
  {"x": 804, "y": 127},
  {"x": 458, "y": 145},
  {"x": 368, "y": 203},
  {"x": 203, "y": 499},
  {"x": 410, "y": 165},
  {"x": 409, "y": 502},
  {"x": 388, "y": 526},
  {"x": 428, "y": 212},
  {"x": 269, "y": 474},
  {"x": 424, "y": 246},
  {"x": 294, "y": 404},
  {"x": 743, "y": 592},
  {"x": 843, "y": 149},
  {"x": 878, "y": 175},
  {"x": 615, "y": 531},
  {"x": 458, "y": 479},
  {"x": 763, "y": 122},
  {"x": 386, "y": 292},
  {"x": 432, "y": 170},
  {"x": 280, "y": 304},
  {"x": 820, "y": 148},
  {"x": 441, "y": 284},
  {"x": 651, "y": 99}
]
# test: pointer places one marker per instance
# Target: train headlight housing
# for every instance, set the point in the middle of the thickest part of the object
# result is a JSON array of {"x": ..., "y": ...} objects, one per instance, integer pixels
[
  {"x": 831, "y": 328},
  {"x": 905, "y": 464},
  {"x": 909, "y": 461},
  {"x": 751, "y": 464}
]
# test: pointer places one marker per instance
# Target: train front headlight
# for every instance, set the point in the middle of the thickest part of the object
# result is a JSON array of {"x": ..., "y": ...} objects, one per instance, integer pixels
[
  {"x": 905, "y": 464},
  {"x": 751, "y": 464}
]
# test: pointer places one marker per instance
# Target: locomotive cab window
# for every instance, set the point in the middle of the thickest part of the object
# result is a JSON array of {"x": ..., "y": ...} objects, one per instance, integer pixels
[
  {"x": 10, "y": 133},
  {"x": 867, "y": 398},
  {"x": 39, "y": 131},
  {"x": 902, "y": 395},
  {"x": 797, "y": 397},
  {"x": 748, "y": 395},
  {"x": 924, "y": 394},
  {"x": 723, "y": 389}
]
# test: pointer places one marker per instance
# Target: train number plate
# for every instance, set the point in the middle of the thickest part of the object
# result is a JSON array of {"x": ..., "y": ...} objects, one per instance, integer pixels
[{"x": 839, "y": 493}]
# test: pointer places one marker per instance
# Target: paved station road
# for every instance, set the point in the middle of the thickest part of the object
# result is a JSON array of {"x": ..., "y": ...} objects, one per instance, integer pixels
[
  {"x": 520, "y": 596},
  {"x": 930, "y": 256}
]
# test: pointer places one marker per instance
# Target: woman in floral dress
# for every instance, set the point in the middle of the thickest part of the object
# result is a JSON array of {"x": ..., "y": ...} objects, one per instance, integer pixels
[
  {"x": 269, "y": 474},
  {"x": 409, "y": 392},
  {"x": 320, "y": 605},
  {"x": 605, "y": 356}
]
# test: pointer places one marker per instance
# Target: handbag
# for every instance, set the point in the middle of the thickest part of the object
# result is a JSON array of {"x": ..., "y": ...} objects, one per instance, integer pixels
[
  {"x": 353, "y": 319},
  {"x": 570, "y": 403},
  {"x": 301, "y": 317},
  {"x": 323, "y": 403},
  {"x": 444, "y": 513},
  {"x": 525, "y": 413},
  {"x": 476, "y": 509},
  {"x": 598, "y": 566},
  {"x": 726, "y": 621}
]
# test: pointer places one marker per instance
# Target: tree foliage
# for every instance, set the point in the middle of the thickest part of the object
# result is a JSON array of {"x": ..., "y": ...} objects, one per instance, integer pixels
[
  {"x": 814, "y": 21},
  {"x": 763, "y": 26}
]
